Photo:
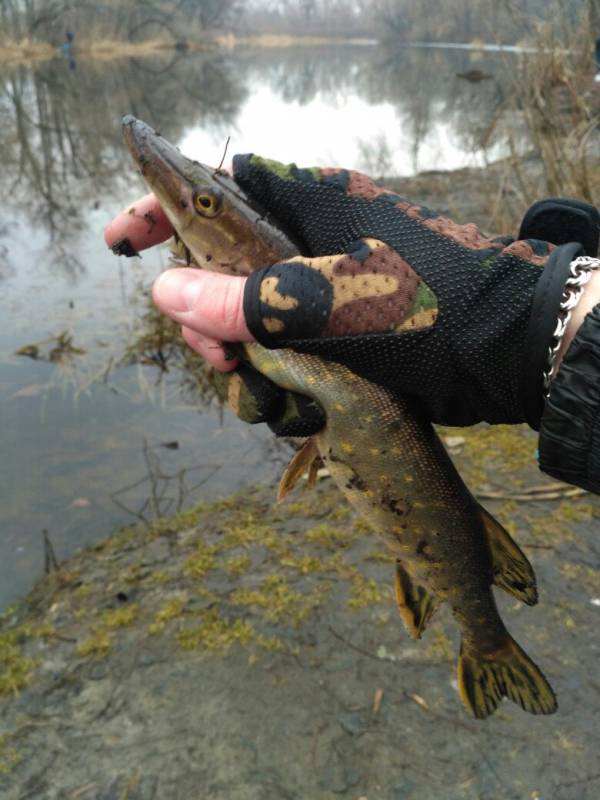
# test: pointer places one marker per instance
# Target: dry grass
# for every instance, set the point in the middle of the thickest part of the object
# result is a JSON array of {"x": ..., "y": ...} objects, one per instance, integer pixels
[
  {"x": 24, "y": 51},
  {"x": 27, "y": 51},
  {"x": 107, "y": 49},
  {"x": 555, "y": 107},
  {"x": 275, "y": 40}
]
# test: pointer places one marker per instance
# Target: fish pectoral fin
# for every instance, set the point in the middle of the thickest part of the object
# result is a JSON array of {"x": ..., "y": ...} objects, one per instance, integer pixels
[
  {"x": 306, "y": 459},
  {"x": 483, "y": 680},
  {"x": 415, "y": 603},
  {"x": 511, "y": 568}
]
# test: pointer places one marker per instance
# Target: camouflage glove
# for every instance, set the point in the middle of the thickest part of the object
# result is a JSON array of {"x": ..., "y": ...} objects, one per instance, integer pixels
[
  {"x": 254, "y": 398},
  {"x": 406, "y": 298}
]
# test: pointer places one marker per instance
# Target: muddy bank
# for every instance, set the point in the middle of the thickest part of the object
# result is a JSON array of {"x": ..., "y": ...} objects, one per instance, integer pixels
[{"x": 246, "y": 650}]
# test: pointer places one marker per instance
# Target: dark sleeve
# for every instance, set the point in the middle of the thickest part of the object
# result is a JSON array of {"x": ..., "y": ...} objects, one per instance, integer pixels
[{"x": 569, "y": 444}]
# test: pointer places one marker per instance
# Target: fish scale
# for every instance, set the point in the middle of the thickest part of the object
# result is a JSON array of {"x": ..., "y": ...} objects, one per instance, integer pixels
[{"x": 382, "y": 453}]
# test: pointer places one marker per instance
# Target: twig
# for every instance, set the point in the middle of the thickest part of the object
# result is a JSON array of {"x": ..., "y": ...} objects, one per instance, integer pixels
[
  {"x": 358, "y": 649},
  {"x": 154, "y": 499},
  {"x": 50, "y": 560},
  {"x": 533, "y": 493},
  {"x": 218, "y": 169}
]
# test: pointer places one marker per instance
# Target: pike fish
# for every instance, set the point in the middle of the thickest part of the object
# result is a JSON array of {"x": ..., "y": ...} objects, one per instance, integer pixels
[{"x": 383, "y": 454}]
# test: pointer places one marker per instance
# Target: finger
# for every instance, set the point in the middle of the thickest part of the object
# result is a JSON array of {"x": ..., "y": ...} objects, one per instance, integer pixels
[
  {"x": 210, "y": 349},
  {"x": 141, "y": 225},
  {"x": 208, "y": 303}
]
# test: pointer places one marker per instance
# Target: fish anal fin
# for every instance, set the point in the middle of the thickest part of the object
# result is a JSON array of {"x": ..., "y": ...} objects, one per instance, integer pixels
[
  {"x": 511, "y": 568},
  {"x": 415, "y": 603},
  {"x": 306, "y": 459},
  {"x": 509, "y": 672}
]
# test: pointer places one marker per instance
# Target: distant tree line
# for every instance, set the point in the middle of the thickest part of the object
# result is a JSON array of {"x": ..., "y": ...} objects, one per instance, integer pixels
[
  {"x": 425, "y": 20},
  {"x": 118, "y": 19},
  {"x": 401, "y": 20},
  {"x": 508, "y": 21}
]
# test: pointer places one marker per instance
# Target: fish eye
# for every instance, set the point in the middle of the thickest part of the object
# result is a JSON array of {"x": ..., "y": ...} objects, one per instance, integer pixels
[{"x": 207, "y": 202}]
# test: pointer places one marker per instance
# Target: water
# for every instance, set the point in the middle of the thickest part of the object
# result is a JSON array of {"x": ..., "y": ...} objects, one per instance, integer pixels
[{"x": 80, "y": 438}]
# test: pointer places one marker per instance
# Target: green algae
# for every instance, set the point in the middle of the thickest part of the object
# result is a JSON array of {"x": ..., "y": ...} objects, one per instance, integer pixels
[
  {"x": 238, "y": 565},
  {"x": 303, "y": 564},
  {"x": 173, "y": 609},
  {"x": 215, "y": 633},
  {"x": 277, "y": 600},
  {"x": 248, "y": 531},
  {"x": 202, "y": 562},
  {"x": 16, "y": 670},
  {"x": 365, "y": 592},
  {"x": 330, "y": 537},
  {"x": 119, "y": 617},
  {"x": 159, "y": 578},
  {"x": 98, "y": 644}
]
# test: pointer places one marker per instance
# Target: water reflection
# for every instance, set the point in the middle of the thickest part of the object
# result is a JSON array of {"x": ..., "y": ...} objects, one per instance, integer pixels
[
  {"x": 79, "y": 434},
  {"x": 61, "y": 142}
]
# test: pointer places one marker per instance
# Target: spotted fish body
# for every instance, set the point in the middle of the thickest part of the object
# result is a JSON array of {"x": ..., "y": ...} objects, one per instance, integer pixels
[
  {"x": 382, "y": 453},
  {"x": 391, "y": 466}
]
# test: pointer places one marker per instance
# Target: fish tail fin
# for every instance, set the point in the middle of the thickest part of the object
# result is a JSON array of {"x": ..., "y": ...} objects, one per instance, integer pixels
[
  {"x": 307, "y": 458},
  {"x": 508, "y": 672},
  {"x": 511, "y": 568}
]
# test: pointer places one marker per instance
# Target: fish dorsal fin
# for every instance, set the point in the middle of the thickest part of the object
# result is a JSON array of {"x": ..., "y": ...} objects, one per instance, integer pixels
[
  {"x": 415, "y": 603},
  {"x": 512, "y": 570},
  {"x": 306, "y": 459}
]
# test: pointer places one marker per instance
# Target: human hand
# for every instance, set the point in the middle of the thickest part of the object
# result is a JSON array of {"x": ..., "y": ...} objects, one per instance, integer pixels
[
  {"x": 208, "y": 305},
  {"x": 407, "y": 298}
]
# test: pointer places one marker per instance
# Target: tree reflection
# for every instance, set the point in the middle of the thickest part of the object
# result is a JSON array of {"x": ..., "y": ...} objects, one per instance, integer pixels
[
  {"x": 60, "y": 137},
  {"x": 422, "y": 84}
]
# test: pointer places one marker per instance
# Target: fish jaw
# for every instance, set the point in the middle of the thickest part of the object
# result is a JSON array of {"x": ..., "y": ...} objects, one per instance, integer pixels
[
  {"x": 222, "y": 227},
  {"x": 165, "y": 170}
]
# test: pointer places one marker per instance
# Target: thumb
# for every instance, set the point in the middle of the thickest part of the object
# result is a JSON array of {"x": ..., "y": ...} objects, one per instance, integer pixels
[{"x": 206, "y": 303}]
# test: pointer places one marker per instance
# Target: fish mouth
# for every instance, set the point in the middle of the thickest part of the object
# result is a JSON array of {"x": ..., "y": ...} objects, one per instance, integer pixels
[
  {"x": 168, "y": 173},
  {"x": 172, "y": 176}
]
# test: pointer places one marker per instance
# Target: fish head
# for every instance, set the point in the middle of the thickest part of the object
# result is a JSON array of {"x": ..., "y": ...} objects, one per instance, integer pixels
[{"x": 221, "y": 226}]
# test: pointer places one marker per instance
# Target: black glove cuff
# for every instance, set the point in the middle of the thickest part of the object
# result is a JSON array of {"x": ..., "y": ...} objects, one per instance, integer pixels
[
  {"x": 542, "y": 323},
  {"x": 561, "y": 220},
  {"x": 570, "y": 430}
]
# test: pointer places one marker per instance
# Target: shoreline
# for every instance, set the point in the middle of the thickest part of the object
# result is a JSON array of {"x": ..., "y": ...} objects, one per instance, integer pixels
[{"x": 13, "y": 53}]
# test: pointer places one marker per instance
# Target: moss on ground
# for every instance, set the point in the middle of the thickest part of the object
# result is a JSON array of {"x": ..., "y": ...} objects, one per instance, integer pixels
[{"x": 246, "y": 572}]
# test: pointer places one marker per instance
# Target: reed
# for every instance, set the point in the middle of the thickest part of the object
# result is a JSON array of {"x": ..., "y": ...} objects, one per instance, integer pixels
[{"x": 553, "y": 105}]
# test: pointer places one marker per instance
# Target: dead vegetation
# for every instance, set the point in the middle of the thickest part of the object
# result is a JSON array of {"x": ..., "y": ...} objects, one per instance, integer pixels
[
  {"x": 550, "y": 116},
  {"x": 24, "y": 51}
]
